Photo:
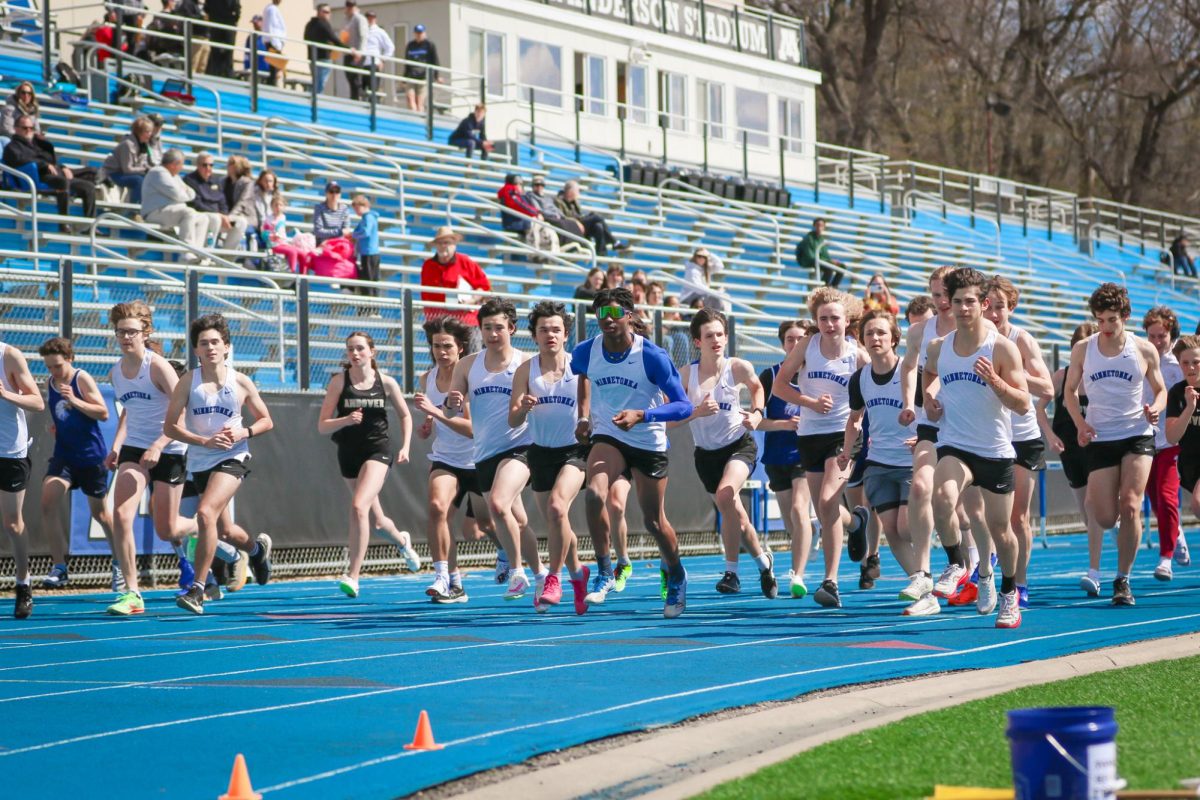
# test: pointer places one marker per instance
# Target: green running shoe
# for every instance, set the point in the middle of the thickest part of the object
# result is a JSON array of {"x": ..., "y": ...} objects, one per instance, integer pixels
[
  {"x": 799, "y": 590},
  {"x": 127, "y": 604},
  {"x": 622, "y": 575}
]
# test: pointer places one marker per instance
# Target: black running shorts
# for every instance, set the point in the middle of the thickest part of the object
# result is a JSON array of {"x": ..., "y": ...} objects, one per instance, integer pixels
[
  {"x": 14, "y": 474},
  {"x": 236, "y": 467},
  {"x": 710, "y": 464},
  {"x": 92, "y": 479},
  {"x": 485, "y": 468},
  {"x": 651, "y": 463},
  {"x": 171, "y": 468},
  {"x": 1102, "y": 455},
  {"x": 546, "y": 462},
  {"x": 1031, "y": 454},
  {"x": 780, "y": 476},
  {"x": 993, "y": 474}
]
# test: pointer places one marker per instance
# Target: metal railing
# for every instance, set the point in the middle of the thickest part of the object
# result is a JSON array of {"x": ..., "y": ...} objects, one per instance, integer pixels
[
  {"x": 579, "y": 146},
  {"x": 773, "y": 242},
  {"x": 460, "y": 219},
  {"x": 33, "y": 205}
]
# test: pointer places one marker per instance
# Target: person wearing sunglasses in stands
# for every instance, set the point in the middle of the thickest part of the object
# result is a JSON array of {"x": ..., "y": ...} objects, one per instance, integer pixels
[{"x": 628, "y": 391}]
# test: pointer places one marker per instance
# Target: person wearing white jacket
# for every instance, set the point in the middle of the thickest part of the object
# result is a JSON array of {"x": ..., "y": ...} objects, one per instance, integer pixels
[
  {"x": 377, "y": 47},
  {"x": 165, "y": 199}
]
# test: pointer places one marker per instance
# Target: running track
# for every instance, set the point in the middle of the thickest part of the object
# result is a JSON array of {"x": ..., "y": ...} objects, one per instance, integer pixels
[{"x": 321, "y": 692}]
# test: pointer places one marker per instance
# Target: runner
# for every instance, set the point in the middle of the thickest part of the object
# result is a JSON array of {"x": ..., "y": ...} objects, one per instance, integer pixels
[
  {"x": 545, "y": 395},
  {"x": 979, "y": 379},
  {"x": 19, "y": 394},
  {"x": 142, "y": 454},
  {"x": 500, "y": 451},
  {"x": 1162, "y": 329},
  {"x": 920, "y": 589},
  {"x": 354, "y": 411},
  {"x": 631, "y": 376},
  {"x": 726, "y": 453},
  {"x": 1119, "y": 429},
  {"x": 1183, "y": 416},
  {"x": 1064, "y": 440},
  {"x": 888, "y": 474},
  {"x": 205, "y": 412},
  {"x": 781, "y": 460},
  {"x": 1003, "y": 297},
  {"x": 825, "y": 361},
  {"x": 77, "y": 408}
]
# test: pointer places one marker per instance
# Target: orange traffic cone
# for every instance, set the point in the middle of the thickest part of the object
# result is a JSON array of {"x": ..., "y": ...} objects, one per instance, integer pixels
[
  {"x": 423, "y": 739},
  {"x": 239, "y": 782}
]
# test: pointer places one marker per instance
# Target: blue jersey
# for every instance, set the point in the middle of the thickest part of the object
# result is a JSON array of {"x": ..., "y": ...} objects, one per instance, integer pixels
[
  {"x": 779, "y": 447},
  {"x": 77, "y": 437}
]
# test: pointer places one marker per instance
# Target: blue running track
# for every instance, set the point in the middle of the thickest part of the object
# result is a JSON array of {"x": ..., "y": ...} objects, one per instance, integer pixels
[{"x": 321, "y": 692}]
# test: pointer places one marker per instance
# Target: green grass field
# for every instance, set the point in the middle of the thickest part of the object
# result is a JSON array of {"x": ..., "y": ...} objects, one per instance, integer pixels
[{"x": 1158, "y": 743}]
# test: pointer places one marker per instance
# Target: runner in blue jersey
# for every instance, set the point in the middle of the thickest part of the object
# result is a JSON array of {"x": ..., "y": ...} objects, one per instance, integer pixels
[
  {"x": 623, "y": 379},
  {"x": 77, "y": 408}
]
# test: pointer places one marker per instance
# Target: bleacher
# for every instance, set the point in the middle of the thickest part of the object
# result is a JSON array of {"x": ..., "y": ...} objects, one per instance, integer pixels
[{"x": 417, "y": 184}]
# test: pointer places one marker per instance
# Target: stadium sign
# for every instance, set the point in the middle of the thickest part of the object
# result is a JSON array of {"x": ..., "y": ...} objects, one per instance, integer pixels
[{"x": 769, "y": 36}]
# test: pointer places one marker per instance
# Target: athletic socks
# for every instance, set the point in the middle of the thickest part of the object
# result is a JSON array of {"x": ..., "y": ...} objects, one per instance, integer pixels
[
  {"x": 180, "y": 549},
  {"x": 762, "y": 560},
  {"x": 954, "y": 555},
  {"x": 604, "y": 564},
  {"x": 442, "y": 568},
  {"x": 257, "y": 549},
  {"x": 1119, "y": 574},
  {"x": 226, "y": 552},
  {"x": 455, "y": 578},
  {"x": 623, "y": 560},
  {"x": 1008, "y": 584},
  {"x": 23, "y": 581},
  {"x": 1094, "y": 574},
  {"x": 973, "y": 555},
  {"x": 731, "y": 566}
]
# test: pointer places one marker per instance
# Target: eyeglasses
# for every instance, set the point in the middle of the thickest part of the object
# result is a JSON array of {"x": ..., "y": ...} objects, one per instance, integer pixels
[
  {"x": 128, "y": 333},
  {"x": 24, "y": 91},
  {"x": 24, "y": 127},
  {"x": 610, "y": 312}
]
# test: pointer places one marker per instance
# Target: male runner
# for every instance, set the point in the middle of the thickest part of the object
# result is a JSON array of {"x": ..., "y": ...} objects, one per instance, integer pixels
[
  {"x": 18, "y": 394},
  {"x": 1183, "y": 416},
  {"x": 1162, "y": 329}
]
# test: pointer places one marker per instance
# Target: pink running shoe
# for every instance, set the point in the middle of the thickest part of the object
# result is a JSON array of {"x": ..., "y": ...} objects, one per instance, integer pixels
[
  {"x": 552, "y": 594},
  {"x": 579, "y": 587}
]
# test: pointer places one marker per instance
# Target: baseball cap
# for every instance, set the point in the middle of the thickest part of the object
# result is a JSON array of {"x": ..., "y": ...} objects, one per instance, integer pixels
[
  {"x": 419, "y": 28},
  {"x": 333, "y": 186},
  {"x": 371, "y": 13},
  {"x": 256, "y": 18},
  {"x": 538, "y": 180}
]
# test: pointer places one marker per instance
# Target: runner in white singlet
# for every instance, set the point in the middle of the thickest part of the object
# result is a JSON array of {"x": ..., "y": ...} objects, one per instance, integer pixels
[{"x": 18, "y": 394}]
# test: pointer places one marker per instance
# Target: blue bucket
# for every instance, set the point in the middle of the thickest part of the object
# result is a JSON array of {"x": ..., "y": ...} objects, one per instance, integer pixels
[{"x": 1064, "y": 753}]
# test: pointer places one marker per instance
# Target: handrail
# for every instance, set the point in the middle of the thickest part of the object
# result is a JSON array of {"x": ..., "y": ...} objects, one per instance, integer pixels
[
  {"x": 151, "y": 66},
  {"x": 590, "y": 148},
  {"x": 667, "y": 279},
  {"x": 33, "y": 204},
  {"x": 1094, "y": 227},
  {"x": 587, "y": 244},
  {"x": 724, "y": 202},
  {"x": 946, "y": 221},
  {"x": 400, "y": 180}
]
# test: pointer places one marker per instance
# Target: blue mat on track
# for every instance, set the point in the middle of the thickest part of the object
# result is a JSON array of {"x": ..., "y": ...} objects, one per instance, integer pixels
[{"x": 321, "y": 692}]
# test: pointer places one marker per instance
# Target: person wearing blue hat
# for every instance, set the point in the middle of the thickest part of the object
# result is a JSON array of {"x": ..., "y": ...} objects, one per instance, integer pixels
[{"x": 419, "y": 51}]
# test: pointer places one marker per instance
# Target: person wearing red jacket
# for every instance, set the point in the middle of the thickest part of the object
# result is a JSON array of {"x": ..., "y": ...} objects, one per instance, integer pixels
[
  {"x": 450, "y": 269},
  {"x": 512, "y": 195}
]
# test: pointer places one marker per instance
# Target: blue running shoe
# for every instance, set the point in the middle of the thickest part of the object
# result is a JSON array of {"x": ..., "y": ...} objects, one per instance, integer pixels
[
  {"x": 187, "y": 575},
  {"x": 676, "y": 600},
  {"x": 602, "y": 584},
  {"x": 1023, "y": 596},
  {"x": 975, "y": 572}
]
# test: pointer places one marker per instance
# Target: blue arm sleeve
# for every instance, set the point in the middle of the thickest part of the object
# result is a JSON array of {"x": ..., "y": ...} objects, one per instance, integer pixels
[
  {"x": 663, "y": 374},
  {"x": 580, "y": 356}
]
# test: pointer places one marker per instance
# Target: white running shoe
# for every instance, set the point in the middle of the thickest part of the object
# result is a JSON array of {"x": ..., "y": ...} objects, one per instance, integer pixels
[
  {"x": 518, "y": 585},
  {"x": 348, "y": 585},
  {"x": 439, "y": 588},
  {"x": 1090, "y": 585},
  {"x": 927, "y": 606},
  {"x": 412, "y": 559},
  {"x": 919, "y": 585},
  {"x": 952, "y": 576},
  {"x": 1163, "y": 571},
  {"x": 539, "y": 585},
  {"x": 598, "y": 592},
  {"x": 238, "y": 573},
  {"x": 1182, "y": 557},
  {"x": 985, "y": 601},
  {"x": 1009, "y": 615}
]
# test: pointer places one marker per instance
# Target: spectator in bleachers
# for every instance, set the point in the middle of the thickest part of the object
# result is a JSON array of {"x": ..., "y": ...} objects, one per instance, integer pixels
[
  {"x": 128, "y": 164},
  {"x": 194, "y": 10},
  {"x": 224, "y": 13},
  {"x": 165, "y": 199},
  {"x": 421, "y": 50},
  {"x": 595, "y": 227},
  {"x": 21, "y": 103},
  {"x": 814, "y": 249},
  {"x": 544, "y": 202},
  {"x": 878, "y": 296},
  {"x": 297, "y": 249},
  {"x": 266, "y": 186},
  {"x": 155, "y": 144},
  {"x": 165, "y": 32},
  {"x": 104, "y": 33},
  {"x": 1182, "y": 259},
  {"x": 614, "y": 277},
  {"x": 451, "y": 270},
  {"x": 320, "y": 36},
  {"x": 471, "y": 133},
  {"x": 919, "y": 309},
  {"x": 354, "y": 36},
  {"x": 655, "y": 294},
  {"x": 226, "y": 231},
  {"x": 26, "y": 148},
  {"x": 591, "y": 285},
  {"x": 377, "y": 47},
  {"x": 534, "y": 232},
  {"x": 697, "y": 276},
  {"x": 256, "y": 42},
  {"x": 238, "y": 187},
  {"x": 366, "y": 243},
  {"x": 275, "y": 30},
  {"x": 639, "y": 274},
  {"x": 637, "y": 288},
  {"x": 331, "y": 218}
]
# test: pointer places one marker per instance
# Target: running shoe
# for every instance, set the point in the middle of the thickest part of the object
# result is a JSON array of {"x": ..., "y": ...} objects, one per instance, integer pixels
[
  {"x": 260, "y": 564},
  {"x": 57, "y": 578},
  {"x": 238, "y": 571},
  {"x": 412, "y": 559},
  {"x": 967, "y": 594},
  {"x": 212, "y": 588},
  {"x": 730, "y": 583},
  {"x": 127, "y": 604},
  {"x": 1009, "y": 613},
  {"x": 518, "y": 585},
  {"x": 676, "y": 600},
  {"x": 919, "y": 585},
  {"x": 23, "y": 606},
  {"x": 192, "y": 600},
  {"x": 454, "y": 594},
  {"x": 662, "y": 583},
  {"x": 1162, "y": 572},
  {"x": 620, "y": 576},
  {"x": 539, "y": 584},
  {"x": 766, "y": 578},
  {"x": 602, "y": 584},
  {"x": 551, "y": 593},
  {"x": 187, "y": 575},
  {"x": 985, "y": 601},
  {"x": 579, "y": 589},
  {"x": 1022, "y": 596},
  {"x": 827, "y": 596},
  {"x": 501, "y": 573},
  {"x": 348, "y": 586},
  {"x": 927, "y": 605},
  {"x": 865, "y": 581},
  {"x": 953, "y": 576},
  {"x": 1182, "y": 557},
  {"x": 219, "y": 571},
  {"x": 1090, "y": 585},
  {"x": 1122, "y": 595},
  {"x": 975, "y": 570},
  {"x": 856, "y": 541},
  {"x": 439, "y": 588},
  {"x": 118, "y": 578},
  {"x": 796, "y": 585}
]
